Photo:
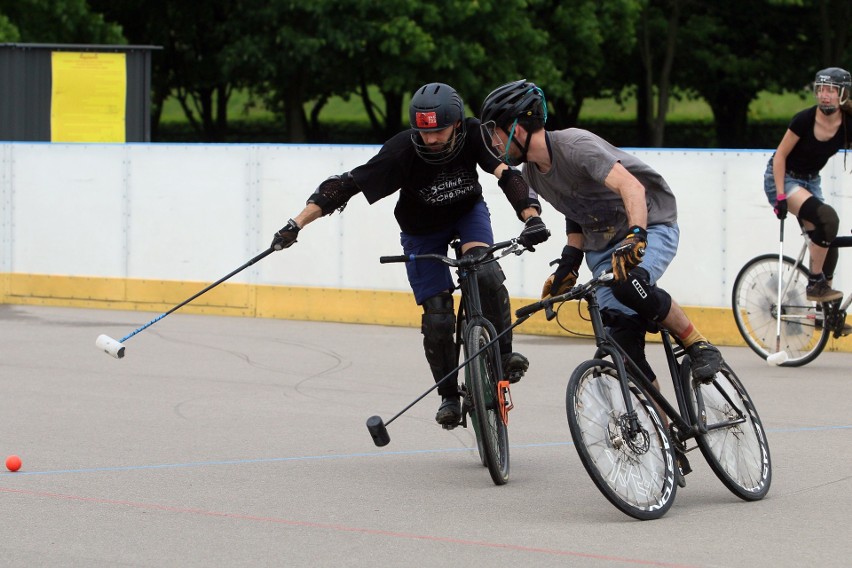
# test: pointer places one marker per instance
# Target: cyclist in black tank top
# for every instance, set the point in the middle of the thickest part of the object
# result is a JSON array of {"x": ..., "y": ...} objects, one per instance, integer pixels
[{"x": 792, "y": 181}]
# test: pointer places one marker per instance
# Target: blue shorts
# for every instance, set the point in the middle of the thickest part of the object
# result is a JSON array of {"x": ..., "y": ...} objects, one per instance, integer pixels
[
  {"x": 430, "y": 277},
  {"x": 661, "y": 250},
  {"x": 791, "y": 185}
]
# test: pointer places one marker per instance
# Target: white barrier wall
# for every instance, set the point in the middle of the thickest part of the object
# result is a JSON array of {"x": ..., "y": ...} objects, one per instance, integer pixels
[{"x": 195, "y": 212}]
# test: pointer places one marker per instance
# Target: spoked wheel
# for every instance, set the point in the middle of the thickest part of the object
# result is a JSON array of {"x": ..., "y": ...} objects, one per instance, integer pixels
[
  {"x": 492, "y": 434},
  {"x": 755, "y": 304},
  {"x": 467, "y": 401},
  {"x": 634, "y": 469},
  {"x": 735, "y": 444}
]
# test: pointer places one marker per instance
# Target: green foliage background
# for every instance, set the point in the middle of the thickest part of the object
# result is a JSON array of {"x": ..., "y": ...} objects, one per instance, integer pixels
[{"x": 676, "y": 73}]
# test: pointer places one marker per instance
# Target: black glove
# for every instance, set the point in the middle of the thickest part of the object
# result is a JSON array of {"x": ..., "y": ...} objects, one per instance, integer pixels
[
  {"x": 286, "y": 236},
  {"x": 534, "y": 233},
  {"x": 781, "y": 206},
  {"x": 565, "y": 276},
  {"x": 629, "y": 252}
]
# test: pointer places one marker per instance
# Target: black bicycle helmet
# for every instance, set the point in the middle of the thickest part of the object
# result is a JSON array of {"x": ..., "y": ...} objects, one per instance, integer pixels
[
  {"x": 436, "y": 106},
  {"x": 516, "y": 100},
  {"x": 834, "y": 77}
]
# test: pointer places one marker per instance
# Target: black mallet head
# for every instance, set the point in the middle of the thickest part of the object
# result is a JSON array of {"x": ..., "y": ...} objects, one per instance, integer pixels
[{"x": 378, "y": 431}]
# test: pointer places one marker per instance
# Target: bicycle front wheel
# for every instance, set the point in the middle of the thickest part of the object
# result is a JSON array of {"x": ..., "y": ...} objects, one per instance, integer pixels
[
  {"x": 492, "y": 434},
  {"x": 634, "y": 469},
  {"x": 755, "y": 305},
  {"x": 735, "y": 444}
]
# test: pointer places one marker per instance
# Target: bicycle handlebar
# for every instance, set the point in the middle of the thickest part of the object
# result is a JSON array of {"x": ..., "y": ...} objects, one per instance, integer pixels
[
  {"x": 574, "y": 293},
  {"x": 512, "y": 246}
]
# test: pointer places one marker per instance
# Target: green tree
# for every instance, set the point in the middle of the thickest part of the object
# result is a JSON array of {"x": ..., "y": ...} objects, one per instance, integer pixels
[
  {"x": 587, "y": 43},
  {"x": 8, "y": 31},
  {"x": 198, "y": 64},
  {"x": 58, "y": 21}
]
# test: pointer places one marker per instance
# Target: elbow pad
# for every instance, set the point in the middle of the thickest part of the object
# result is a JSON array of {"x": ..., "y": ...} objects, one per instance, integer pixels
[
  {"x": 519, "y": 194},
  {"x": 334, "y": 193}
]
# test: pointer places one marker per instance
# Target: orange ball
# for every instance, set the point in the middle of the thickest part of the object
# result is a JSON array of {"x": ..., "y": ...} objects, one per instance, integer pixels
[{"x": 13, "y": 463}]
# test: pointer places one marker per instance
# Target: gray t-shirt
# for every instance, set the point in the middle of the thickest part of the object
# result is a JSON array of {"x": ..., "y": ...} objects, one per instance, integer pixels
[{"x": 581, "y": 161}]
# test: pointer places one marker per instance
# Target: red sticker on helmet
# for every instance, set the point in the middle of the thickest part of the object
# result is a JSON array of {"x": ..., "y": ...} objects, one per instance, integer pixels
[{"x": 426, "y": 119}]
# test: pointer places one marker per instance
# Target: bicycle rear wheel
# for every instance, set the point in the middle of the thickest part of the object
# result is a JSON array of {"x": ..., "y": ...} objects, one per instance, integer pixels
[
  {"x": 735, "y": 444},
  {"x": 755, "y": 305},
  {"x": 635, "y": 473},
  {"x": 492, "y": 434}
]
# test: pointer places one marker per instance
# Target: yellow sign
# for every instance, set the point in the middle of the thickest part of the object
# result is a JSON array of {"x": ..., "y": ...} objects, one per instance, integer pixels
[{"x": 88, "y": 97}]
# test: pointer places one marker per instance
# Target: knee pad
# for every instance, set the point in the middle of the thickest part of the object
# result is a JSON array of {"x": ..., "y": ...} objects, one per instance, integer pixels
[
  {"x": 438, "y": 328},
  {"x": 439, "y": 319},
  {"x": 490, "y": 275},
  {"x": 823, "y": 217},
  {"x": 638, "y": 294}
]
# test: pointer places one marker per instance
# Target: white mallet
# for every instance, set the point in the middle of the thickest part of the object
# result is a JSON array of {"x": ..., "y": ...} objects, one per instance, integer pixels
[
  {"x": 116, "y": 348},
  {"x": 779, "y": 356}
]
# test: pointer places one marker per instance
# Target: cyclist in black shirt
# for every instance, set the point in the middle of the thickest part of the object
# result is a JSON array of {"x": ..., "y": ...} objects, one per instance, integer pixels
[
  {"x": 792, "y": 180},
  {"x": 433, "y": 167}
]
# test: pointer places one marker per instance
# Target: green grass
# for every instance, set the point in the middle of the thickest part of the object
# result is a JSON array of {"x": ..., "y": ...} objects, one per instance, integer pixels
[{"x": 767, "y": 106}]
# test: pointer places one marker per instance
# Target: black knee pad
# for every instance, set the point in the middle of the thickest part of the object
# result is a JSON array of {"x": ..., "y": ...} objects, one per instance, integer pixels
[
  {"x": 439, "y": 319},
  {"x": 824, "y": 219},
  {"x": 490, "y": 275},
  {"x": 629, "y": 332},
  {"x": 638, "y": 294},
  {"x": 438, "y": 328}
]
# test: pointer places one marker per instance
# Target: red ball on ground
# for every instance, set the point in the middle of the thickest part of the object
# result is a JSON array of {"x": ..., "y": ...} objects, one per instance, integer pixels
[{"x": 13, "y": 463}]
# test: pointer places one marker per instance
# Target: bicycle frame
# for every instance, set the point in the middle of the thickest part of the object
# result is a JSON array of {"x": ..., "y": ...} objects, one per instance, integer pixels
[{"x": 607, "y": 346}]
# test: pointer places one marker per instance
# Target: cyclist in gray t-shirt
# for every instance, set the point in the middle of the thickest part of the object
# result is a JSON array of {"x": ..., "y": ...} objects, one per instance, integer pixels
[{"x": 619, "y": 212}]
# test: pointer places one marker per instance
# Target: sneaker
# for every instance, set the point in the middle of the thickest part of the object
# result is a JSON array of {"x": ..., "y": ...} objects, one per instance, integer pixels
[
  {"x": 820, "y": 291},
  {"x": 705, "y": 360},
  {"x": 514, "y": 366},
  {"x": 681, "y": 470},
  {"x": 449, "y": 413}
]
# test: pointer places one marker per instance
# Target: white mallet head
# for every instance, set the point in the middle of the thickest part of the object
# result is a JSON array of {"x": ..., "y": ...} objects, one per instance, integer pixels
[
  {"x": 110, "y": 346},
  {"x": 776, "y": 358}
]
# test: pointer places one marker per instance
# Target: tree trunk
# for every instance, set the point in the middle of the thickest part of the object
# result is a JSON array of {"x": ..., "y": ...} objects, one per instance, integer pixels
[{"x": 730, "y": 114}]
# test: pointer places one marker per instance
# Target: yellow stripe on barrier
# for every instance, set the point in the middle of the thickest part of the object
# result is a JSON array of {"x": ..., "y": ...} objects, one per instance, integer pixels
[{"x": 304, "y": 303}]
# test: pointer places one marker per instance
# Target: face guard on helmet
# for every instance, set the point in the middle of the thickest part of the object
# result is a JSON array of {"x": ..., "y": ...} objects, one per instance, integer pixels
[
  {"x": 835, "y": 80},
  {"x": 434, "y": 107},
  {"x": 503, "y": 108}
]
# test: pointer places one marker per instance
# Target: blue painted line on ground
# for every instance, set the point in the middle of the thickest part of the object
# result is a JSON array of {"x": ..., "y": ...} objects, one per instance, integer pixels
[{"x": 349, "y": 456}]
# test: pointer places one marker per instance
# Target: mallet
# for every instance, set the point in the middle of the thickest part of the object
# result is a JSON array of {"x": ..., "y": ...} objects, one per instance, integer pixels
[
  {"x": 116, "y": 348},
  {"x": 378, "y": 428}
]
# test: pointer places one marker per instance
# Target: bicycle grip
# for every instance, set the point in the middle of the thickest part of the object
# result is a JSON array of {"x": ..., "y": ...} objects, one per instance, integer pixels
[
  {"x": 397, "y": 258},
  {"x": 530, "y": 309}
]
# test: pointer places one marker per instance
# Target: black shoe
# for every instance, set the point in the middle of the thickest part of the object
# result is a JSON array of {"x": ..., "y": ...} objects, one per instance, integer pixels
[
  {"x": 705, "y": 360},
  {"x": 514, "y": 366},
  {"x": 449, "y": 413}
]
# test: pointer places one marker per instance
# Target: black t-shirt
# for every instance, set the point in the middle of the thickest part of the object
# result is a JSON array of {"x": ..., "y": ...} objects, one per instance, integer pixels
[
  {"x": 810, "y": 155},
  {"x": 431, "y": 196}
]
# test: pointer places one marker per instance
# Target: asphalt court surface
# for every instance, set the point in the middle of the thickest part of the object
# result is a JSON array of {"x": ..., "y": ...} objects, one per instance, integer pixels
[{"x": 224, "y": 441}]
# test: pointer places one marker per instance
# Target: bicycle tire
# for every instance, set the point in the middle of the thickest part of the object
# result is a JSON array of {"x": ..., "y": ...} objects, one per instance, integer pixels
[
  {"x": 737, "y": 454},
  {"x": 754, "y": 297},
  {"x": 492, "y": 432},
  {"x": 639, "y": 481},
  {"x": 467, "y": 400}
]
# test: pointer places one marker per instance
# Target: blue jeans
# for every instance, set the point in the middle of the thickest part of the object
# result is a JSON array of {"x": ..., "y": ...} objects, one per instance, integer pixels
[
  {"x": 430, "y": 277},
  {"x": 661, "y": 250},
  {"x": 791, "y": 185}
]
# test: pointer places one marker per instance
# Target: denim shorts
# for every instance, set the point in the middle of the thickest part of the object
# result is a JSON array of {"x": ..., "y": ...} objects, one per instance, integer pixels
[
  {"x": 430, "y": 277},
  {"x": 791, "y": 185},
  {"x": 661, "y": 250}
]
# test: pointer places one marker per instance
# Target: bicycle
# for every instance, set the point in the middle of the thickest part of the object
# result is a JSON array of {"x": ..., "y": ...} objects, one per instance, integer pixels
[
  {"x": 805, "y": 326},
  {"x": 614, "y": 415},
  {"x": 485, "y": 393}
]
